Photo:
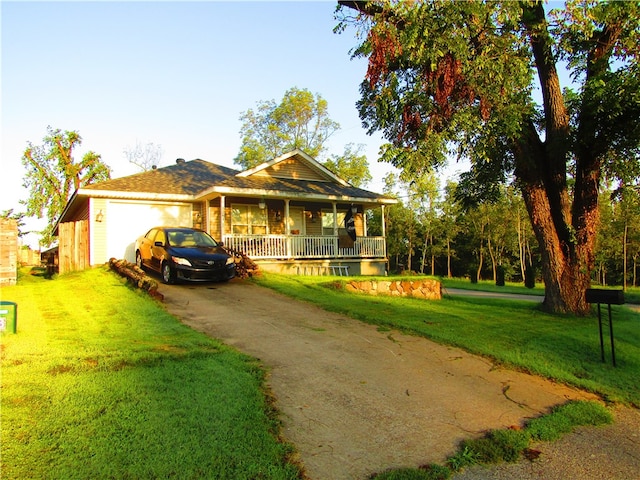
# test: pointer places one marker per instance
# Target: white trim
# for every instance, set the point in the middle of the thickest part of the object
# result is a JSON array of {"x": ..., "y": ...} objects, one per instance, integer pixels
[
  {"x": 120, "y": 195},
  {"x": 222, "y": 208}
]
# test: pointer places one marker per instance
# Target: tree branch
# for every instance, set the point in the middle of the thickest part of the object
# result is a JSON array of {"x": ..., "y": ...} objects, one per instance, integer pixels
[{"x": 44, "y": 174}]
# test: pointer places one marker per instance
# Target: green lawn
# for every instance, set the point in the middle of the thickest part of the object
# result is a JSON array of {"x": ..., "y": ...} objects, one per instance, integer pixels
[
  {"x": 515, "y": 333},
  {"x": 100, "y": 382},
  {"x": 631, "y": 295}
]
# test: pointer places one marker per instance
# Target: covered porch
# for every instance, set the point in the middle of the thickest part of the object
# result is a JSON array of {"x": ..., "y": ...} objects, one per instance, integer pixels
[{"x": 299, "y": 236}]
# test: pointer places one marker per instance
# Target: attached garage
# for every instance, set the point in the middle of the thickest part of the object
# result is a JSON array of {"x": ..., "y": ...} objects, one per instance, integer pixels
[{"x": 128, "y": 220}]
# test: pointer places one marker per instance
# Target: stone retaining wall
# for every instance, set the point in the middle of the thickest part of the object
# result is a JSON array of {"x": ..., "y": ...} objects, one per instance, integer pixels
[{"x": 429, "y": 289}]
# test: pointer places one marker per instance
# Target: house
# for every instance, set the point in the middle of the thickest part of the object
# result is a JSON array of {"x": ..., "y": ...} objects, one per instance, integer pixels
[{"x": 286, "y": 214}]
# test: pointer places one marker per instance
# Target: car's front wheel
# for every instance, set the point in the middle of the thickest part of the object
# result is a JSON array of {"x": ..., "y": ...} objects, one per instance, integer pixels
[{"x": 168, "y": 276}]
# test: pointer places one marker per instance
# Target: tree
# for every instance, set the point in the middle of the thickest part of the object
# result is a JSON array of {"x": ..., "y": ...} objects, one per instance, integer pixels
[
  {"x": 401, "y": 226},
  {"x": 301, "y": 120},
  {"x": 351, "y": 166},
  {"x": 146, "y": 157},
  {"x": 449, "y": 223},
  {"x": 53, "y": 175},
  {"x": 607, "y": 242},
  {"x": 627, "y": 222},
  {"x": 458, "y": 77}
]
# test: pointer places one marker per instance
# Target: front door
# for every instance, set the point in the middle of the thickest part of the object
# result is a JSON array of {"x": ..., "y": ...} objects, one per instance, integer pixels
[{"x": 296, "y": 221}]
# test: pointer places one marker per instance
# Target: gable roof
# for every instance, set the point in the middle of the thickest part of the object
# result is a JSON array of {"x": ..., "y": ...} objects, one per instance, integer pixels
[
  {"x": 299, "y": 159},
  {"x": 199, "y": 179}
]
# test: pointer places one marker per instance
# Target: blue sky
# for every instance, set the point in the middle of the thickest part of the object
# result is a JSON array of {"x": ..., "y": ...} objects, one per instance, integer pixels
[{"x": 178, "y": 74}]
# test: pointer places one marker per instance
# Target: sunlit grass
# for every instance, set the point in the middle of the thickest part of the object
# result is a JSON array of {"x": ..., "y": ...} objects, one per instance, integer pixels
[
  {"x": 100, "y": 382},
  {"x": 490, "y": 286},
  {"x": 514, "y": 333}
]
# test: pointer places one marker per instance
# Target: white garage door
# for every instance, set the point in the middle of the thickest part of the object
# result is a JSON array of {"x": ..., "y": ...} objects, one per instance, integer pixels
[{"x": 127, "y": 221}]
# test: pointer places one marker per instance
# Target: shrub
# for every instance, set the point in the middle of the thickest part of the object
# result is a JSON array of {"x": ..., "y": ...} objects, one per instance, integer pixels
[
  {"x": 473, "y": 273},
  {"x": 530, "y": 276}
]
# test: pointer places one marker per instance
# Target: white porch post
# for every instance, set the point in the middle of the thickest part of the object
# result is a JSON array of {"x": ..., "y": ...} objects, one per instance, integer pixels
[
  {"x": 335, "y": 217},
  {"x": 286, "y": 216},
  {"x": 384, "y": 228},
  {"x": 205, "y": 220},
  {"x": 364, "y": 221},
  {"x": 287, "y": 230},
  {"x": 222, "y": 197}
]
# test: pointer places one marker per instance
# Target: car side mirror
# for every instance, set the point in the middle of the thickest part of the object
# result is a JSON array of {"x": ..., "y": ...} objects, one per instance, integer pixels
[
  {"x": 220, "y": 244},
  {"x": 158, "y": 244}
]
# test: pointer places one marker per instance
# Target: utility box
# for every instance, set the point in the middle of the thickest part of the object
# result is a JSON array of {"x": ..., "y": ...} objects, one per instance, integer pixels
[{"x": 8, "y": 317}]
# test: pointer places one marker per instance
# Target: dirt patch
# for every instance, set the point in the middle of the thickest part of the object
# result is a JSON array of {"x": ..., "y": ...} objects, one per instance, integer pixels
[{"x": 355, "y": 400}]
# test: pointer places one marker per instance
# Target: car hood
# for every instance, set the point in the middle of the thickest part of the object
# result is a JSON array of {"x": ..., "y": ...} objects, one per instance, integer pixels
[{"x": 199, "y": 252}]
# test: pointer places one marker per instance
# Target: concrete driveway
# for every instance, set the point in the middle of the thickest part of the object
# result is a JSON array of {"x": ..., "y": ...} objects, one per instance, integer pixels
[{"x": 355, "y": 400}]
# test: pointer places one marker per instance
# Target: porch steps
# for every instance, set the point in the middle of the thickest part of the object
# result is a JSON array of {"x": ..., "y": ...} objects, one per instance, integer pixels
[{"x": 338, "y": 270}]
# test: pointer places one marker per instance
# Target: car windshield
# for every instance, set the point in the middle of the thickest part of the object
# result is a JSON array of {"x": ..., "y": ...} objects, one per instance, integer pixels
[{"x": 190, "y": 238}]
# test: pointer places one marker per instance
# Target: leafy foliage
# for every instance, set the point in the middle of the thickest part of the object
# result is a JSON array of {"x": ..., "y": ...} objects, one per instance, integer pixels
[
  {"x": 301, "y": 120},
  {"x": 53, "y": 175},
  {"x": 448, "y": 78},
  {"x": 351, "y": 166}
]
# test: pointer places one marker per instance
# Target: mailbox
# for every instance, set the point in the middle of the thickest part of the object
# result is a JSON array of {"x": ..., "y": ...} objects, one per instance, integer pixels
[
  {"x": 608, "y": 297},
  {"x": 599, "y": 295}
]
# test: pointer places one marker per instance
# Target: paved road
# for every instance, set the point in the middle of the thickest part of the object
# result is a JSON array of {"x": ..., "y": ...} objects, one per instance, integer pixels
[{"x": 509, "y": 296}]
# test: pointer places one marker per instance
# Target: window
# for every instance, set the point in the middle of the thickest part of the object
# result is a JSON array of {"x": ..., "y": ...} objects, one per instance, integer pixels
[
  {"x": 160, "y": 237},
  {"x": 248, "y": 220},
  {"x": 327, "y": 223}
]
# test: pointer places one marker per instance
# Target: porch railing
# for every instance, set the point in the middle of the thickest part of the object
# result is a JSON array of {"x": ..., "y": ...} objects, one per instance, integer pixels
[{"x": 305, "y": 246}]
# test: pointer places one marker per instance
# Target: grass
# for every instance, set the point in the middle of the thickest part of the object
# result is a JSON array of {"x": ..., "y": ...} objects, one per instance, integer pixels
[
  {"x": 514, "y": 333},
  {"x": 101, "y": 382},
  {"x": 490, "y": 286},
  {"x": 508, "y": 445},
  {"x": 631, "y": 295}
]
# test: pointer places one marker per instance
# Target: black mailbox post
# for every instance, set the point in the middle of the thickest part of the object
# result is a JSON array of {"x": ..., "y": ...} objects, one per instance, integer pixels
[{"x": 610, "y": 297}]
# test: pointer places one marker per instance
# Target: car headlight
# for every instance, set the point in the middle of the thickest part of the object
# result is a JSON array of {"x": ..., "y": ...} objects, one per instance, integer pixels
[
  {"x": 181, "y": 261},
  {"x": 230, "y": 261}
]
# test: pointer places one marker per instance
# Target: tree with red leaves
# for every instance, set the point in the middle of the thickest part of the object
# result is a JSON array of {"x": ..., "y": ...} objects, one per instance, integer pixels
[{"x": 450, "y": 78}]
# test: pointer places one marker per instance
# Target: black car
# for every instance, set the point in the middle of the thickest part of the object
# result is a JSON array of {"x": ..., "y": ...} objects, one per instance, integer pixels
[{"x": 180, "y": 253}]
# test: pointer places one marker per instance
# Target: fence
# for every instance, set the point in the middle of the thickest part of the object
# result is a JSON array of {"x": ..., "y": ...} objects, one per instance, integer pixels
[
  {"x": 306, "y": 246},
  {"x": 73, "y": 248},
  {"x": 8, "y": 251}
]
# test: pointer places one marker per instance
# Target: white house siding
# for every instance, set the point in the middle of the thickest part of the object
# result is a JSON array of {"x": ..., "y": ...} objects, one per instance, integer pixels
[
  {"x": 97, "y": 231},
  {"x": 127, "y": 220}
]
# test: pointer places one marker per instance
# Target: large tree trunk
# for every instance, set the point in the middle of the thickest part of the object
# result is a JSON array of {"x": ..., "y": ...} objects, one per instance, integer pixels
[
  {"x": 566, "y": 232},
  {"x": 566, "y": 275}
]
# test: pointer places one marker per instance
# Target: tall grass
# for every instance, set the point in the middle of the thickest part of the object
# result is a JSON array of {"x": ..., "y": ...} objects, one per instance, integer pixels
[
  {"x": 100, "y": 382},
  {"x": 515, "y": 333}
]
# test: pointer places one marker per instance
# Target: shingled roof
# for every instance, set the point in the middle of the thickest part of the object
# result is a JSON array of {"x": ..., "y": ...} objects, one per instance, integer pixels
[
  {"x": 197, "y": 178},
  {"x": 184, "y": 178}
]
